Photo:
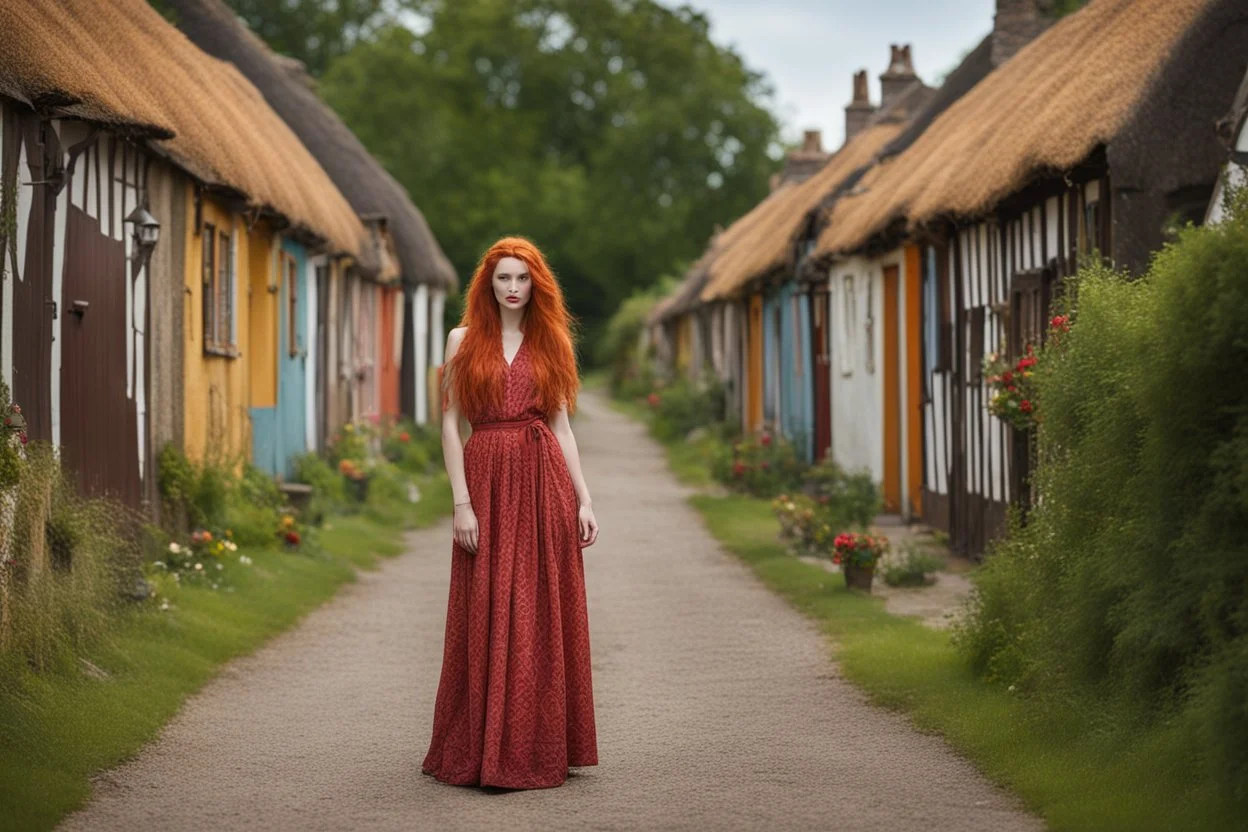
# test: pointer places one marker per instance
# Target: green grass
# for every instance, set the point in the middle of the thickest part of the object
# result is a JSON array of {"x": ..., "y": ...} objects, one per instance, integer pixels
[
  {"x": 1079, "y": 768},
  {"x": 58, "y": 728}
]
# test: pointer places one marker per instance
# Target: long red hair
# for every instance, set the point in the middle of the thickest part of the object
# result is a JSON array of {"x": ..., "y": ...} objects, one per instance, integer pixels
[{"x": 476, "y": 371}]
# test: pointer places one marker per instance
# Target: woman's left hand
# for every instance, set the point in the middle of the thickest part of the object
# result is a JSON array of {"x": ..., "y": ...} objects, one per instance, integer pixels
[{"x": 589, "y": 526}]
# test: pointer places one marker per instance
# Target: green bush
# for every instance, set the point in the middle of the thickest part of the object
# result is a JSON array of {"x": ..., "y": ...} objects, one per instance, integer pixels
[
  {"x": 621, "y": 348},
  {"x": 684, "y": 405},
  {"x": 194, "y": 494},
  {"x": 763, "y": 466},
  {"x": 850, "y": 500},
  {"x": 1130, "y": 577},
  {"x": 911, "y": 568}
]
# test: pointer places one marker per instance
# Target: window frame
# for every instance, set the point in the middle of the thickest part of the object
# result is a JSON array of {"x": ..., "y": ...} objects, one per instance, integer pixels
[{"x": 219, "y": 291}]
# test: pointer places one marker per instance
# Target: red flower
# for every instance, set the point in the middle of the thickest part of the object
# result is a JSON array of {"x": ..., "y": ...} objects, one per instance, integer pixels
[
  {"x": 1007, "y": 377},
  {"x": 404, "y": 437},
  {"x": 738, "y": 469},
  {"x": 292, "y": 537},
  {"x": 1012, "y": 389},
  {"x": 1025, "y": 406},
  {"x": 653, "y": 398},
  {"x": 765, "y": 440},
  {"x": 1024, "y": 363}
]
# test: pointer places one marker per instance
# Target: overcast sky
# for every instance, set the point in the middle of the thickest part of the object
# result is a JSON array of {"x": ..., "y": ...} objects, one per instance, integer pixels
[{"x": 810, "y": 49}]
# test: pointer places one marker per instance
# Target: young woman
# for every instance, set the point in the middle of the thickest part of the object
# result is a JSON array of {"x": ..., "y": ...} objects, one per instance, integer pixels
[{"x": 515, "y": 704}]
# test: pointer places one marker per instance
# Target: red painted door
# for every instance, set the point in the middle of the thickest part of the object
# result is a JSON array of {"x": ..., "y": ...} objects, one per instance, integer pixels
[{"x": 819, "y": 349}]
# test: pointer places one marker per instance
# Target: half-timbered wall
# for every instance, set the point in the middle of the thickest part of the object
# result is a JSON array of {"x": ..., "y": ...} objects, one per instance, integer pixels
[
  {"x": 998, "y": 279},
  {"x": 74, "y": 313}
]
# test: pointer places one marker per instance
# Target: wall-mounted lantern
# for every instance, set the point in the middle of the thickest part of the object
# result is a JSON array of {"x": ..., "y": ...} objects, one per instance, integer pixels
[{"x": 146, "y": 228}]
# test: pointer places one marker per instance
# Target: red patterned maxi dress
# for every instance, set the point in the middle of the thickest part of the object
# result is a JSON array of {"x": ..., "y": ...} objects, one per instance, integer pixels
[{"x": 515, "y": 703}]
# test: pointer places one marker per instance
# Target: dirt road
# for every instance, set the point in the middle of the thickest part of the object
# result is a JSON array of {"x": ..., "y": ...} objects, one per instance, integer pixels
[{"x": 718, "y": 706}]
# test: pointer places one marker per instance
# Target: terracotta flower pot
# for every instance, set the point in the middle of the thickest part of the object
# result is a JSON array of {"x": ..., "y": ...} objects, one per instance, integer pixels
[{"x": 859, "y": 577}]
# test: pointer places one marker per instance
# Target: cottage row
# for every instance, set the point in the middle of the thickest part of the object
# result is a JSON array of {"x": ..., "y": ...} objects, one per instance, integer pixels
[
  {"x": 852, "y": 308},
  {"x": 195, "y": 249}
]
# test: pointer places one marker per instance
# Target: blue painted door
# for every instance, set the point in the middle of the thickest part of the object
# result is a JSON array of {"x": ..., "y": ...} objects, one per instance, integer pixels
[{"x": 292, "y": 351}]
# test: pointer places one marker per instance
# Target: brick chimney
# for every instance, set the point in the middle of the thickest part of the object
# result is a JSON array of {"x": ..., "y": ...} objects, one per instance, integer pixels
[
  {"x": 803, "y": 162},
  {"x": 860, "y": 110},
  {"x": 1017, "y": 23},
  {"x": 898, "y": 76}
]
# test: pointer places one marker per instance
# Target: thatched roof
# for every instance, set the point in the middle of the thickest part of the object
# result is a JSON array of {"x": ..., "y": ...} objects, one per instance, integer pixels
[
  {"x": 1069, "y": 91},
  {"x": 766, "y": 242},
  {"x": 120, "y": 64},
  {"x": 367, "y": 186}
]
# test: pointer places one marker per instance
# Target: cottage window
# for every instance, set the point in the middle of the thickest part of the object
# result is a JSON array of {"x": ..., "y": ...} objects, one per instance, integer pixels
[
  {"x": 849, "y": 325},
  {"x": 218, "y": 291}
]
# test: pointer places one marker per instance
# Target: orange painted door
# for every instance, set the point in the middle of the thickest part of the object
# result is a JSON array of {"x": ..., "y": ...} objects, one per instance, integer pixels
[
  {"x": 914, "y": 380},
  {"x": 754, "y": 366},
  {"x": 892, "y": 393},
  {"x": 387, "y": 361}
]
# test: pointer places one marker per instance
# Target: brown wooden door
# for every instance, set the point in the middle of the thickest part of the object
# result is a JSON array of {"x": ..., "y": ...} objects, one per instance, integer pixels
[
  {"x": 892, "y": 392},
  {"x": 100, "y": 370},
  {"x": 819, "y": 360}
]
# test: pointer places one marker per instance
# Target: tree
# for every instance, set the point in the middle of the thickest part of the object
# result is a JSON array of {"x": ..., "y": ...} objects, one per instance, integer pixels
[{"x": 612, "y": 132}]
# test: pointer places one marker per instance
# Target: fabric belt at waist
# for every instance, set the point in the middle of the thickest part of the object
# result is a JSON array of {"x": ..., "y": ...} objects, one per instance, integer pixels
[{"x": 532, "y": 427}]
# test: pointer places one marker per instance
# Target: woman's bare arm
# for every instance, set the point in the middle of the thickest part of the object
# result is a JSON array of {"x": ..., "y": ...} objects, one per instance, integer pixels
[
  {"x": 466, "y": 531},
  {"x": 561, "y": 426}
]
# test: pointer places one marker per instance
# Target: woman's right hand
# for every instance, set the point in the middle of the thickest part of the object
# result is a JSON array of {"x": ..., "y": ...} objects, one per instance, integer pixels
[{"x": 466, "y": 527}]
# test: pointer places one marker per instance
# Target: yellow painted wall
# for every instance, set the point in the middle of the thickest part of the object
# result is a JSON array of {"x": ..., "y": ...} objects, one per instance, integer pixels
[
  {"x": 263, "y": 314},
  {"x": 218, "y": 426}
]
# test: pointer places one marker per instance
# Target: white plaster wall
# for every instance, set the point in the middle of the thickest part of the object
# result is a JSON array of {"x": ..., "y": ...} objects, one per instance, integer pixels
[{"x": 420, "y": 353}]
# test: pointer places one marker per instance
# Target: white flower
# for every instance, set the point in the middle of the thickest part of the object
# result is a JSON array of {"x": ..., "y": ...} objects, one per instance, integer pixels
[
  {"x": 243, "y": 559},
  {"x": 220, "y": 565},
  {"x": 199, "y": 566},
  {"x": 1011, "y": 688},
  {"x": 164, "y": 605},
  {"x": 231, "y": 545},
  {"x": 790, "y": 506},
  {"x": 175, "y": 548},
  {"x": 159, "y": 563}
]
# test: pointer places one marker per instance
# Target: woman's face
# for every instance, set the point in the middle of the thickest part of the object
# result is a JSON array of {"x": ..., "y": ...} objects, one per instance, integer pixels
[{"x": 512, "y": 285}]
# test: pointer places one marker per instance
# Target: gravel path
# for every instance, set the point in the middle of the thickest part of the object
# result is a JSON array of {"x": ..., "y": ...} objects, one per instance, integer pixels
[{"x": 718, "y": 706}]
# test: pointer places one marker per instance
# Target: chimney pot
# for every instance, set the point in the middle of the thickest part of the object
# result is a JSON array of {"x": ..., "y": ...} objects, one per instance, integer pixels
[{"x": 812, "y": 141}]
